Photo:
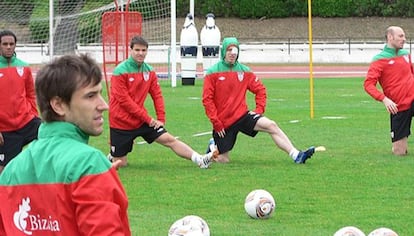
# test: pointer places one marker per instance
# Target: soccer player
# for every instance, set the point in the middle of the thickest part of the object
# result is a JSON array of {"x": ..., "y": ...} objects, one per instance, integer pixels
[
  {"x": 59, "y": 185},
  {"x": 393, "y": 70},
  {"x": 19, "y": 119},
  {"x": 224, "y": 98},
  {"x": 131, "y": 82}
]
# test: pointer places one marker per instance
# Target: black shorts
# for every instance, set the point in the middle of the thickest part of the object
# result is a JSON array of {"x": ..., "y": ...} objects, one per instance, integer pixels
[
  {"x": 245, "y": 125},
  {"x": 123, "y": 140},
  {"x": 14, "y": 141},
  {"x": 400, "y": 124}
]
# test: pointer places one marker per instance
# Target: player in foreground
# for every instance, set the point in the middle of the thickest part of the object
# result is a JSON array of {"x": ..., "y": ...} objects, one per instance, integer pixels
[
  {"x": 131, "y": 83},
  {"x": 60, "y": 185},
  {"x": 224, "y": 98},
  {"x": 19, "y": 119},
  {"x": 393, "y": 70}
]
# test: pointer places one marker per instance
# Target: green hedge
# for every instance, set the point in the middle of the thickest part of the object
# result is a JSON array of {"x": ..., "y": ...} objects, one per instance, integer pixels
[
  {"x": 39, "y": 24},
  {"x": 294, "y": 8},
  {"x": 231, "y": 8}
]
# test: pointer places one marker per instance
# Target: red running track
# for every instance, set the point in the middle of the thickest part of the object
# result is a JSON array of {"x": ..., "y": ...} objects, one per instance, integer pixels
[
  {"x": 337, "y": 71},
  {"x": 289, "y": 71},
  {"x": 303, "y": 71}
]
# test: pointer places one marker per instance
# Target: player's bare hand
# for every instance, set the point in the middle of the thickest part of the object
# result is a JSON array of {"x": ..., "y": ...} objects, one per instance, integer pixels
[
  {"x": 221, "y": 133},
  {"x": 391, "y": 107},
  {"x": 156, "y": 124},
  {"x": 1, "y": 139},
  {"x": 117, "y": 164}
]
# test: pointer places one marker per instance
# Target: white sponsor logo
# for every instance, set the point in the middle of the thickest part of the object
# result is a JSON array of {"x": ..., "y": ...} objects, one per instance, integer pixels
[
  {"x": 27, "y": 223},
  {"x": 1, "y": 157},
  {"x": 221, "y": 78},
  {"x": 131, "y": 79}
]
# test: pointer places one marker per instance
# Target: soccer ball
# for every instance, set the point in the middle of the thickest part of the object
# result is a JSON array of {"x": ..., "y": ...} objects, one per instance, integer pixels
[
  {"x": 349, "y": 231},
  {"x": 259, "y": 204},
  {"x": 190, "y": 225},
  {"x": 383, "y": 232}
]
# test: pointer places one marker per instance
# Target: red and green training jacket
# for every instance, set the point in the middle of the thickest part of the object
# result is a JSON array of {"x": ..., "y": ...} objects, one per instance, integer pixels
[
  {"x": 17, "y": 95},
  {"x": 60, "y": 185},
  {"x": 393, "y": 70},
  {"x": 130, "y": 85},
  {"x": 225, "y": 87}
]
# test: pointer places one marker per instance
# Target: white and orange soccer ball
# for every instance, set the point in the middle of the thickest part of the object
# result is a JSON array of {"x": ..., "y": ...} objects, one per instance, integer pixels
[
  {"x": 383, "y": 232},
  {"x": 259, "y": 204},
  {"x": 349, "y": 231},
  {"x": 190, "y": 225}
]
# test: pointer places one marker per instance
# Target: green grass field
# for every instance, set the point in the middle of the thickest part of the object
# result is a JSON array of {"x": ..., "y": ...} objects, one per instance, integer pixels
[{"x": 356, "y": 181}]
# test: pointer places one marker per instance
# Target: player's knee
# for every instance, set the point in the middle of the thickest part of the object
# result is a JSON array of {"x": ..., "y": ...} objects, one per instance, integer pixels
[
  {"x": 122, "y": 161},
  {"x": 222, "y": 158},
  {"x": 273, "y": 125},
  {"x": 399, "y": 150}
]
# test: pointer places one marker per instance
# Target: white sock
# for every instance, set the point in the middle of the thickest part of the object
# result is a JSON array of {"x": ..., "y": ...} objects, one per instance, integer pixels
[
  {"x": 294, "y": 153},
  {"x": 195, "y": 157}
]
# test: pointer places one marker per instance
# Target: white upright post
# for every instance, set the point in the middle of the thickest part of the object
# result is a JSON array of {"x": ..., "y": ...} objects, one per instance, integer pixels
[
  {"x": 173, "y": 45},
  {"x": 51, "y": 29},
  {"x": 192, "y": 8}
]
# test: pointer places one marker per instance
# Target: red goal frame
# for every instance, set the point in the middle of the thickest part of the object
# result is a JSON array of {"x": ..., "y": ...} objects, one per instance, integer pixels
[{"x": 118, "y": 27}]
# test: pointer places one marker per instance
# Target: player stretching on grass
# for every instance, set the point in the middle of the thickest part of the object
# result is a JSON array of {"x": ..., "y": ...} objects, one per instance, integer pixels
[
  {"x": 224, "y": 98},
  {"x": 393, "y": 70},
  {"x": 131, "y": 83}
]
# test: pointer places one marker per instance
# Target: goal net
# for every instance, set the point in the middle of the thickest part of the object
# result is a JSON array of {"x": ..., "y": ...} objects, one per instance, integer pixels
[{"x": 77, "y": 28}]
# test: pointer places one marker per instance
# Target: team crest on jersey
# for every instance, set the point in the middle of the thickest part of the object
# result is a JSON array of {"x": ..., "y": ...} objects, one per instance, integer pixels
[
  {"x": 146, "y": 76},
  {"x": 240, "y": 76},
  {"x": 20, "y": 71},
  {"x": 406, "y": 58}
]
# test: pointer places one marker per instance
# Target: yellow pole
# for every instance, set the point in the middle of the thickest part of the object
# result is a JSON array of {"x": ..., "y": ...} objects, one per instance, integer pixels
[{"x": 310, "y": 57}]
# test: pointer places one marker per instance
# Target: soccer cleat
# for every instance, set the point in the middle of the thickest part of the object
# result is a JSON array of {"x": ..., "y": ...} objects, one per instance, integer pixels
[
  {"x": 304, "y": 155},
  {"x": 211, "y": 146},
  {"x": 205, "y": 160}
]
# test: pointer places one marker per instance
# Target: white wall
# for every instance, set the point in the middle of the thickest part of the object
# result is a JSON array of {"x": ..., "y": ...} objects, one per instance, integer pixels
[{"x": 252, "y": 53}]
